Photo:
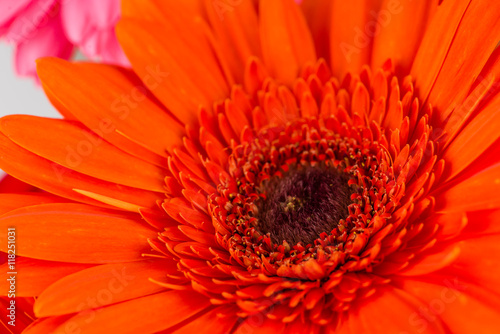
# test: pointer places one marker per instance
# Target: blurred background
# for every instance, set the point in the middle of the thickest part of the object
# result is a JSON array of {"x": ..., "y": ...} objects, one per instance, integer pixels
[{"x": 20, "y": 95}]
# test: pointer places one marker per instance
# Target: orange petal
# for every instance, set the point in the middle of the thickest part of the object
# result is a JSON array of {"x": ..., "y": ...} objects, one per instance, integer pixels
[
  {"x": 351, "y": 36},
  {"x": 436, "y": 43},
  {"x": 33, "y": 276},
  {"x": 77, "y": 233},
  {"x": 287, "y": 44},
  {"x": 262, "y": 323},
  {"x": 188, "y": 18},
  {"x": 402, "y": 25},
  {"x": 478, "y": 260},
  {"x": 44, "y": 326},
  {"x": 101, "y": 286},
  {"x": 148, "y": 314},
  {"x": 479, "y": 192},
  {"x": 481, "y": 95},
  {"x": 317, "y": 14},
  {"x": 187, "y": 80},
  {"x": 395, "y": 311},
  {"x": 75, "y": 147},
  {"x": 155, "y": 10},
  {"x": 463, "y": 307},
  {"x": 59, "y": 180},
  {"x": 114, "y": 104},
  {"x": 210, "y": 322},
  {"x": 234, "y": 29},
  {"x": 298, "y": 326},
  {"x": 483, "y": 129},
  {"x": 474, "y": 41},
  {"x": 454, "y": 47},
  {"x": 451, "y": 224},
  {"x": 9, "y": 202},
  {"x": 429, "y": 263},
  {"x": 491, "y": 69},
  {"x": 482, "y": 223}
]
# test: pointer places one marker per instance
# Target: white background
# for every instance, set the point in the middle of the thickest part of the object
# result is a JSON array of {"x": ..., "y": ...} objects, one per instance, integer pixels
[{"x": 20, "y": 95}]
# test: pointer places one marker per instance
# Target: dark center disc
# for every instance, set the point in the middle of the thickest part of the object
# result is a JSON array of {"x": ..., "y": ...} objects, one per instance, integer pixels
[{"x": 303, "y": 204}]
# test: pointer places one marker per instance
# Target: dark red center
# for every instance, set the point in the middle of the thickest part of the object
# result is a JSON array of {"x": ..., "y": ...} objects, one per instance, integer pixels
[{"x": 304, "y": 203}]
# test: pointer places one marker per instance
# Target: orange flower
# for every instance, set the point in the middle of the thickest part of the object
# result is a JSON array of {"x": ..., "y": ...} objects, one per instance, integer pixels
[{"x": 269, "y": 168}]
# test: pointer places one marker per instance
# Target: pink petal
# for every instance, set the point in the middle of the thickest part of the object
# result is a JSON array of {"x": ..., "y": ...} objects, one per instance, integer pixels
[
  {"x": 114, "y": 53},
  {"x": 46, "y": 41},
  {"x": 82, "y": 17},
  {"x": 9, "y": 9},
  {"x": 105, "y": 14},
  {"x": 90, "y": 26},
  {"x": 35, "y": 16},
  {"x": 76, "y": 21},
  {"x": 110, "y": 50}
]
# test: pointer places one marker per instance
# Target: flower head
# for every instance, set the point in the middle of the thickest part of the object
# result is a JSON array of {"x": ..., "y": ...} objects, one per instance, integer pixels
[{"x": 267, "y": 167}]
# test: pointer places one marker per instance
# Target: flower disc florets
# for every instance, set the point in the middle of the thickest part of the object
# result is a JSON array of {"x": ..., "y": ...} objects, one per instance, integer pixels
[
  {"x": 316, "y": 192},
  {"x": 304, "y": 151}
]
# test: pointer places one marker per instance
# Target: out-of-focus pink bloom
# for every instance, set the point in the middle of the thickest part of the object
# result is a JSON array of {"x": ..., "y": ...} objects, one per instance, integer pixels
[
  {"x": 90, "y": 25},
  {"x": 36, "y": 30},
  {"x": 41, "y": 28}
]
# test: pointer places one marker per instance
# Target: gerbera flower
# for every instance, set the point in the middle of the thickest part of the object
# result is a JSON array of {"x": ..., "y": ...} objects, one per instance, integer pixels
[
  {"x": 41, "y": 28},
  {"x": 328, "y": 168}
]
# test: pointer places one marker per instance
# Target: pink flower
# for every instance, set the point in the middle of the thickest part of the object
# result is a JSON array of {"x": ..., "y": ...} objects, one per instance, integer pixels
[
  {"x": 90, "y": 25},
  {"x": 41, "y": 28}
]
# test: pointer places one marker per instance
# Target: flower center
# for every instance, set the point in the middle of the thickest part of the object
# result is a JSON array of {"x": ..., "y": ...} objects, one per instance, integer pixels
[
  {"x": 304, "y": 203},
  {"x": 301, "y": 194},
  {"x": 321, "y": 193},
  {"x": 311, "y": 181}
]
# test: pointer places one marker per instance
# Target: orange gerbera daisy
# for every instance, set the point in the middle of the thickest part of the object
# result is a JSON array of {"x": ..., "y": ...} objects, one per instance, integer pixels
[{"x": 267, "y": 167}]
